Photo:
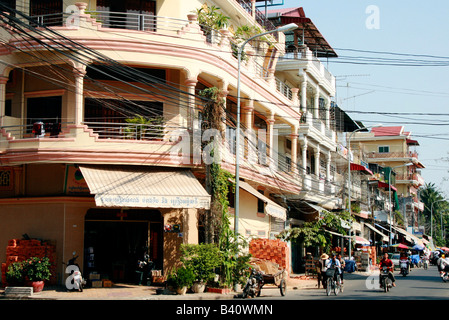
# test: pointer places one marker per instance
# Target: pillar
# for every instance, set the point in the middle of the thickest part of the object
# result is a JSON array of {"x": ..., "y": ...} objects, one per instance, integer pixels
[
  {"x": 316, "y": 103},
  {"x": 294, "y": 150},
  {"x": 270, "y": 136},
  {"x": 295, "y": 99},
  {"x": 304, "y": 94},
  {"x": 79, "y": 71},
  {"x": 317, "y": 161},
  {"x": 3, "y": 81},
  {"x": 328, "y": 115},
  {"x": 191, "y": 84},
  {"x": 304, "y": 155},
  {"x": 328, "y": 166}
]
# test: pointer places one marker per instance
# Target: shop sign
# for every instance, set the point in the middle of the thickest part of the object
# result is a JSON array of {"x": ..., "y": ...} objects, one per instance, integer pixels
[
  {"x": 151, "y": 201},
  {"x": 74, "y": 182}
]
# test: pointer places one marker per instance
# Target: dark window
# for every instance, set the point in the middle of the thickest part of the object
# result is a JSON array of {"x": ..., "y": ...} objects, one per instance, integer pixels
[
  {"x": 110, "y": 110},
  {"x": 260, "y": 204},
  {"x": 44, "y": 109},
  {"x": 106, "y": 72},
  {"x": 48, "y": 12},
  {"x": 8, "y": 107}
]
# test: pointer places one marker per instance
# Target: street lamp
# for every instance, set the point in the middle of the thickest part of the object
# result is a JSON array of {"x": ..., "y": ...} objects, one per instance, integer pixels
[
  {"x": 349, "y": 177},
  {"x": 288, "y": 27},
  {"x": 389, "y": 192},
  {"x": 431, "y": 219}
]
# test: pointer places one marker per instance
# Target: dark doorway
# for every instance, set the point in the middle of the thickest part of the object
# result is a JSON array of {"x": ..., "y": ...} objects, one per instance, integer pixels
[{"x": 116, "y": 239}]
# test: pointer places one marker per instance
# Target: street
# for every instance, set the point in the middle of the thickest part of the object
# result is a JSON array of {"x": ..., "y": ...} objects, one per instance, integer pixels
[{"x": 419, "y": 284}]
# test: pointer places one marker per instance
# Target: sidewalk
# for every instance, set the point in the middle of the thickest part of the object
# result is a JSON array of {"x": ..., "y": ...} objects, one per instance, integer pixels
[{"x": 134, "y": 292}]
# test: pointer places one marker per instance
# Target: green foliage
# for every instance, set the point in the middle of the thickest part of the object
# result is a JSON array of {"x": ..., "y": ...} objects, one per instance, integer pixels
[
  {"x": 144, "y": 128},
  {"x": 210, "y": 16},
  {"x": 314, "y": 234},
  {"x": 32, "y": 269},
  {"x": 202, "y": 259},
  {"x": 37, "y": 269},
  {"x": 181, "y": 277},
  {"x": 15, "y": 274}
]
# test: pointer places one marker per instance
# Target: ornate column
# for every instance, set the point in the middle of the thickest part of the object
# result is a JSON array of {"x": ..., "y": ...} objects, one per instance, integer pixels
[
  {"x": 270, "y": 137},
  {"x": 191, "y": 84},
  {"x": 79, "y": 71},
  {"x": 3, "y": 81},
  {"x": 295, "y": 99},
  {"x": 304, "y": 154},
  {"x": 317, "y": 161},
  {"x": 316, "y": 103},
  {"x": 328, "y": 115},
  {"x": 294, "y": 150},
  {"x": 328, "y": 166},
  {"x": 304, "y": 94}
]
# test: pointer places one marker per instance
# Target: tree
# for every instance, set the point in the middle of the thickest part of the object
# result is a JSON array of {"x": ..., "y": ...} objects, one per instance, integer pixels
[
  {"x": 314, "y": 233},
  {"x": 434, "y": 199}
]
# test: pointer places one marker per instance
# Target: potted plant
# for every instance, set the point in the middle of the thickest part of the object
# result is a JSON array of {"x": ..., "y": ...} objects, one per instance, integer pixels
[
  {"x": 203, "y": 259},
  {"x": 181, "y": 279},
  {"x": 36, "y": 271},
  {"x": 15, "y": 274}
]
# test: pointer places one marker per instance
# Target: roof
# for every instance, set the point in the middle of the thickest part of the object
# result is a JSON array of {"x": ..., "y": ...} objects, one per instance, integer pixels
[
  {"x": 387, "y": 131},
  {"x": 312, "y": 36}
]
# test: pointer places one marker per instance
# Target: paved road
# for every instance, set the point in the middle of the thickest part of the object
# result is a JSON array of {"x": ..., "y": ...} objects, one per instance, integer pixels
[{"x": 420, "y": 284}]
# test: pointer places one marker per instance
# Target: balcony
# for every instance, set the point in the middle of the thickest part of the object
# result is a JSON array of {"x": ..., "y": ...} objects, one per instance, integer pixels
[{"x": 303, "y": 59}]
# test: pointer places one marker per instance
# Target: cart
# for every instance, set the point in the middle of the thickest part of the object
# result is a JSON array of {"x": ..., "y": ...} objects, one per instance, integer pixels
[{"x": 272, "y": 273}]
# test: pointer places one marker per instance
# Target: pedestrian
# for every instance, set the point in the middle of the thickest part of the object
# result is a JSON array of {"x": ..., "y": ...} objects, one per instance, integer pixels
[
  {"x": 343, "y": 264},
  {"x": 324, "y": 259}
]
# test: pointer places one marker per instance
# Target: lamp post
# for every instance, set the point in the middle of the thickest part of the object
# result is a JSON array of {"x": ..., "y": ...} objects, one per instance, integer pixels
[
  {"x": 389, "y": 193},
  {"x": 288, "y": 27},
  {"x": 349, "y": 178},
  {"x": 431, "y": 218}
]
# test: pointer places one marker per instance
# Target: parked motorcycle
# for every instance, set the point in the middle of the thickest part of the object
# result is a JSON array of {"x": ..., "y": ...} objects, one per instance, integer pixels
[
  {"x": 74, "y": 281},
  {"x": 253, "y": 285},
  {"x": 404, "y": 264},
  {"x": 385, "y": 281},
  {"x": 143, "y": 272}
]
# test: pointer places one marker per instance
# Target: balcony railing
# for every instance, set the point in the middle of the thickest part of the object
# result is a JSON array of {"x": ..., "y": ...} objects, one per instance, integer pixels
[
  {"x": 133, "y": 131},
  {"x": 409, "y": 154}
]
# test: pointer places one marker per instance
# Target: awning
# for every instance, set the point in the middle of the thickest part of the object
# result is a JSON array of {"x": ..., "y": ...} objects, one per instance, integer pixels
[
  {"x": 369, "y": 226},
  {"x": 359, "y": 167},
  {"x": 362, "y": 241},
  {"x": 386, "y": 186},
  {"x": 142, "y": 187},
  {"x": 271, "y": 207}
]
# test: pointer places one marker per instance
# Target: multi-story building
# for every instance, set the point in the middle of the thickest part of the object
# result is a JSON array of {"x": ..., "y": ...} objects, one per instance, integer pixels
[
  {"x": 393, "y": 149},
  {"x": 100, "y": 115}
]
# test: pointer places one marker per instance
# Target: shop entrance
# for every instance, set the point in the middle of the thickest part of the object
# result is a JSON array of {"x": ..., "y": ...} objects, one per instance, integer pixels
[{"x": 115, "y": 239}]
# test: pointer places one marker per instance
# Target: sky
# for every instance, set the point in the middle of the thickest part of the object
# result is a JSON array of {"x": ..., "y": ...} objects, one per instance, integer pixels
[{"x": 417, "y": 94}]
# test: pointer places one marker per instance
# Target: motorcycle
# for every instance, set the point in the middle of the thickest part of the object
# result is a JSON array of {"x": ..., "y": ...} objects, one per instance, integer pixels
[
  {"x": 143, "y": 272},
  {"x": 253, "y": 285},
  {"x": 444, "y": 275},
  {"x": 425, "y": 263},
  {"x": 404, "y": 267},
  {"x": 385, "y": 281},
  {"x": 74, "y": 281}
]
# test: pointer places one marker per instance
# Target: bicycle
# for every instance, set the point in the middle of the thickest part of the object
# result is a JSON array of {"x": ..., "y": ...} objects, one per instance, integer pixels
[{"x": 332, "y": 284}]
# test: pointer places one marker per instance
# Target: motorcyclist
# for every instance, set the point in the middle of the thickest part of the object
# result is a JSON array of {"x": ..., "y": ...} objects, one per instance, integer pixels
[
  {"x": 442, "y": 264},
  {"x": 389, "y": 264}
]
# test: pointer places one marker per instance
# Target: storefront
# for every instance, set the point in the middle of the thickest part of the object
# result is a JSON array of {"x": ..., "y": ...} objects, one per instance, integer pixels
[{"x": 109, "y": 215}]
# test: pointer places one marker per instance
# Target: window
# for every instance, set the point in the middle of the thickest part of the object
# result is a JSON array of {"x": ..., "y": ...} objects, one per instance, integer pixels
[
  {"x": 384, "y": 149},
  {"x": 260, "y": 204}
]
